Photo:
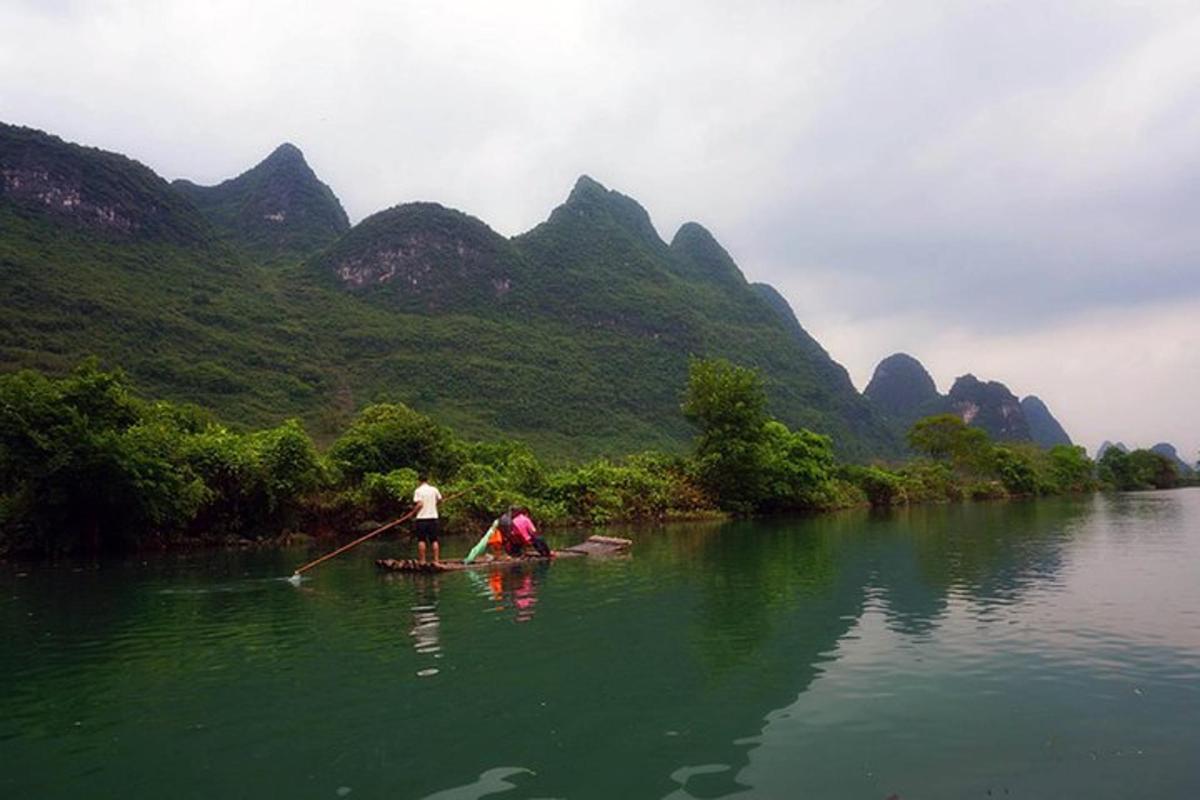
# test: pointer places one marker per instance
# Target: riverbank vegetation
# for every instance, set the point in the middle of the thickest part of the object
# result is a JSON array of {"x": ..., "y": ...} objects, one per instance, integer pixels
[
  {"x": 1139, "y": 469},
  {"x": 85, "y": 464}
]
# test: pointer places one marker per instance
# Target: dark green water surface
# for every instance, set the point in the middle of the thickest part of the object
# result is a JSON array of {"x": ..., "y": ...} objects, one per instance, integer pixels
[{"x": 1047, "y": 649}]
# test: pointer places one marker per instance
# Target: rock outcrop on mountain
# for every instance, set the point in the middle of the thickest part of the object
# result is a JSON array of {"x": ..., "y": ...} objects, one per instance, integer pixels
[
  {"x": 424, "y": 256},
  {"x": 93, "y": 191},
  {"x": 1043, "y": 427},
  {"x": 990, "y": 406},
  {"x": 1104, "y": 448},
  {"x": 277, "y": 208},
  {"x": 904, "y": 390}
]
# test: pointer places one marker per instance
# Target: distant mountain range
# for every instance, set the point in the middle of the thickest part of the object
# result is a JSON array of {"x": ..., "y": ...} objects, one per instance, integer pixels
[
  {"x": 904, "y": 390},
  {"x": 256, "y": 298}
]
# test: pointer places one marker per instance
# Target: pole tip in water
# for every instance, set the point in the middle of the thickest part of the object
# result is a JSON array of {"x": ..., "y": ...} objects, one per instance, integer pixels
[{"x": 295, "y": 579}]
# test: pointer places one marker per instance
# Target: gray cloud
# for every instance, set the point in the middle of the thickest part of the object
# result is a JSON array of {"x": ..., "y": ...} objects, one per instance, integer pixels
[{"x": 903, "y": 172}]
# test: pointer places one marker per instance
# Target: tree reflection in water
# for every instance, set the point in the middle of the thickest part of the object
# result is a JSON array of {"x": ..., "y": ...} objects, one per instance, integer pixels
[{"x": 776, "y": 602}]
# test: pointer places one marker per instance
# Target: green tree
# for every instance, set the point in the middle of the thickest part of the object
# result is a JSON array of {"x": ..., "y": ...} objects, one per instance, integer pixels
[
  {"x": 945, "y": 437},
  {"x": 725, "y": 400},
  {"x": 288, "y": 467},
  {"x": 727, "y": 404},
  {"x": 882, "y": 488},
  {"x": 1140, "y": 469},
  {"x": 389, "y": 436},
  {"x": 81, "y": 464},
  {"x": 795, "y": 468},
  {"x": 232, "y": 493},
  {"x": 1153, "y": 470},
  {"x": 1115, "y": 469},
  {"x": 1070, "y": 469},
  {"x": 1015, "y": 469},
  {"x": 745, "y": 459}
]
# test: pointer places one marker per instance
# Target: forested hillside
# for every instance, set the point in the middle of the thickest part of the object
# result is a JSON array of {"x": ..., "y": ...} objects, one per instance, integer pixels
[{"x": 253, "y": 299}]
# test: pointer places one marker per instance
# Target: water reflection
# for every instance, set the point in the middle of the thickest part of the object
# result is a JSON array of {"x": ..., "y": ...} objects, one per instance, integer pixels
[
  {"x": 512, "y": 587},
  {"x": 955, "y": 621},
  {"x": 779, "y": 608},
  {"x": 426, "y": 627},
  {"x": 925, "y": 652},
  {"x": 988, "y": 555}
]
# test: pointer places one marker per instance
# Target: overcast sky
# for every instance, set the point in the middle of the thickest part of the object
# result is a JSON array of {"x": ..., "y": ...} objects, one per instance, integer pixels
[{"x": 1009, "y": 189}]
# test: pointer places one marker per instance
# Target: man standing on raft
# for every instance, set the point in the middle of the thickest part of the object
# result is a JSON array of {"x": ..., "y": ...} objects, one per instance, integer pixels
[{"x": 425, "y": 527}]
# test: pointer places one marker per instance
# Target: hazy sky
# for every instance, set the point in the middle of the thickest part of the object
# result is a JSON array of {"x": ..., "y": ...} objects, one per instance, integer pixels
[{"x": 1010, "y": 189}]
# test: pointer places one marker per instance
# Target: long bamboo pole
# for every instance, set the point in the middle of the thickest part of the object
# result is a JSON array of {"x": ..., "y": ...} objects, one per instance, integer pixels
[{"x": 361, "y": 539}]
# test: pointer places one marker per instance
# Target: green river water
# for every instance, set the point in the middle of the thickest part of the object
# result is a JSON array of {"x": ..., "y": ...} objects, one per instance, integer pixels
[{"x": 1046, "y": 649}]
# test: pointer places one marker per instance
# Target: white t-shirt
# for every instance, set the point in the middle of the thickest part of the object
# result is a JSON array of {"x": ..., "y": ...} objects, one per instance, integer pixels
[{"x": 428, "y": 496}]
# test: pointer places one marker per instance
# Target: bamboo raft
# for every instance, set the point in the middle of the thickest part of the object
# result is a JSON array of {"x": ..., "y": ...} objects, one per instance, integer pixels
[{"x": 592, "y": 546}]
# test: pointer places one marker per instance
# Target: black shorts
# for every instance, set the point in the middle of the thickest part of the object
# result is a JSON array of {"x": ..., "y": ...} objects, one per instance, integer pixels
[{"x": 426, "y": 530}]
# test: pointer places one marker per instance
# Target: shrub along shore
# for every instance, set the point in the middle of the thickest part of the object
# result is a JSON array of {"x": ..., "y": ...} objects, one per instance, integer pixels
[{"x": 87, "y": 465}]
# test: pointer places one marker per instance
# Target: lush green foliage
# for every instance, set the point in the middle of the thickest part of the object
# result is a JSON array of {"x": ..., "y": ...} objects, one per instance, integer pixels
[
  {"x": 1015, "y": 470},
  {"x": 1140, "y": 469},
  {"x": 881, "y": 487},
  {"x": 86, "y": 464},
  {"x": 83, "y": 462},
  {"x": 389, "y": 433},
  {"x": 1070, "y": 469},
  {"x": 945, "y": 437},
  {"x": 77, "y": 459},
  {"x": 727, "y": 404},
  {"x": 748, "y": 461},
  {"x": 961, "y": 462}
]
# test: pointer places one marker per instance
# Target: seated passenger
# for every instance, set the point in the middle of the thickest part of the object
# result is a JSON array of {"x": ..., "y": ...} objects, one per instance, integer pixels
[
  {"x": 524, "y": 527},
  {"x": 514, "y": 541}
]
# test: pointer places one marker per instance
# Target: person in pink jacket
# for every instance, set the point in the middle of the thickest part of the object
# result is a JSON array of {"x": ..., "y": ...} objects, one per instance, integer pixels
[{"x": 523, "y": 526}]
